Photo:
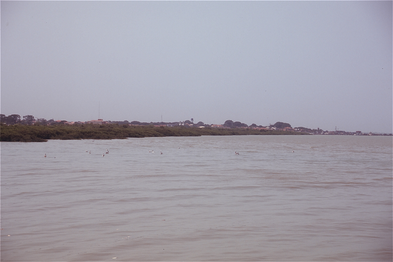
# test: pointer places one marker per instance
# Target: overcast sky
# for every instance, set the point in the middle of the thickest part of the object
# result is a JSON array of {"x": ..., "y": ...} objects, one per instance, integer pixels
[{"x": 311, "y": 64}]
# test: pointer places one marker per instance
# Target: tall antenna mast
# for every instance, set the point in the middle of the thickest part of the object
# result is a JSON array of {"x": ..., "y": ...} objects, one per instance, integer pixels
[{"x": 99, "y": 104}]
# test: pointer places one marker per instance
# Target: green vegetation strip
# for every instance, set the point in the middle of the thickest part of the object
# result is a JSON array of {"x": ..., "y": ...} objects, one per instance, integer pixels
[{"x": 41, "y": 133}]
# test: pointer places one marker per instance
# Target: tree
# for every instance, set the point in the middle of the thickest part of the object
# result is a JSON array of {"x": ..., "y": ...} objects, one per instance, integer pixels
[
  {"x": 231, "y": 124},
  {"x": 3, "y": 118},
  {"x": 281, "y": 125},
  {"x": 228, "y": 123},
  {"x": 28, "y": 119},
  {"x": 239, "y": 124},
  {"x": 42, "y": 121},
  {"x": 13, "y": 119}
]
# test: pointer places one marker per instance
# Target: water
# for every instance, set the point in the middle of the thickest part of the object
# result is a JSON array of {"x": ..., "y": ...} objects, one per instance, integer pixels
[{"x": 298, "y": 198}]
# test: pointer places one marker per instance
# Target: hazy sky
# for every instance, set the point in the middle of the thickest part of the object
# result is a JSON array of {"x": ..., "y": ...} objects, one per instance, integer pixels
[{"x": 312, "y": 64}]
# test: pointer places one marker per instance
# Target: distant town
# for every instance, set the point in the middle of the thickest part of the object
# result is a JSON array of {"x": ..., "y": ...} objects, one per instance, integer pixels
[{"x": 15, "y": 119}]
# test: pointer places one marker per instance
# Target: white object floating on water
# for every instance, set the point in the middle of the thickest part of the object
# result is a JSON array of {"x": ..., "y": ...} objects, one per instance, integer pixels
[{"x": 114, "y": 257}]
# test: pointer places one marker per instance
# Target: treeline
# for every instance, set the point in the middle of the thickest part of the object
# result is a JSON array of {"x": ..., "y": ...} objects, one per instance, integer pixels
[
  {"x": 17, "y": 119},
  {"x": 41, "y": 133}
]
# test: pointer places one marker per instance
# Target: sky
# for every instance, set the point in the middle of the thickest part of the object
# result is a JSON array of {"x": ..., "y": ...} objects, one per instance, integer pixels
[{"x": 313, "y": 64}]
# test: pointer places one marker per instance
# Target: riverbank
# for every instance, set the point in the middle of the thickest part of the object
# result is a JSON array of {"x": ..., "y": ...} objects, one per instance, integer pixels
[{"x": 41, "y": 133}]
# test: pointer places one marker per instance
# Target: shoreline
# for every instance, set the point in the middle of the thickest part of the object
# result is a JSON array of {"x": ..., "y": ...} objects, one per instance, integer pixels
[{"x": 41, "y": 133}]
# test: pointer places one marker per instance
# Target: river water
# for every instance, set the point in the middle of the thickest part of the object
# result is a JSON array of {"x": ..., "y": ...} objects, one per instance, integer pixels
[{"x": 282, "y": 198}]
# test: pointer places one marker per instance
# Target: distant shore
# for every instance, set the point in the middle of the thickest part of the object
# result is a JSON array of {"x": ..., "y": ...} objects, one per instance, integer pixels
[
  {"x": 175, "y": 129},
  {"x": 42, "y": 133}
]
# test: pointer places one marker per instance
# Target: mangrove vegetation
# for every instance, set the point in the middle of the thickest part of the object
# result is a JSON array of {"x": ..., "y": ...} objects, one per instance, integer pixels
[{"x": 41, "y": 133}]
